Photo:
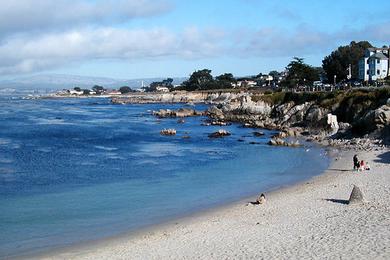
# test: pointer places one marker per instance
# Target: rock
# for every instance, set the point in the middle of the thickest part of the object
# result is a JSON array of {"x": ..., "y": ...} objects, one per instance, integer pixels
[
  {"x": 316, "y": 116},
  {"x": 168, "y": 132},
  {"x": 182, "y": 112},
  {"x": 181, "y": 121},
  {"x": 332, "y": 122},
  {"x": 344, "y": 126},
  {"x": 216, "y": 113},
  {"x": 382, "y": 115},
  {"x": 356, "y": 196},
  {"x": 219, "y": 133},
  {"x": 220, "y": 123},
  {"x": 258, "y": 134},
  {"x": 281, "y": 142}
]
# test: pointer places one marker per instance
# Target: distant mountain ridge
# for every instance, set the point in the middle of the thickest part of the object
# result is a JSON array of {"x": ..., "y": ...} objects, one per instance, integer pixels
[{"x": 61, "y": 81}]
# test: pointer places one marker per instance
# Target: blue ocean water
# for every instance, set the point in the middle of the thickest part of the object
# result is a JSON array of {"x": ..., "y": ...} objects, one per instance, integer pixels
[{"x": 75, "y": 170}]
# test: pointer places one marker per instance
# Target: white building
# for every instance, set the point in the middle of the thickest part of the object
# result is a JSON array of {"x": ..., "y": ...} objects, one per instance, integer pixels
[
  {"x": 375, "y": 64},
  {"x": 162, "y": 89}
]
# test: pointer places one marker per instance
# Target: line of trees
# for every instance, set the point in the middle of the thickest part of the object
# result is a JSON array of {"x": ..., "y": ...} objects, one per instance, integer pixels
[{"x": 203, "y": 80}]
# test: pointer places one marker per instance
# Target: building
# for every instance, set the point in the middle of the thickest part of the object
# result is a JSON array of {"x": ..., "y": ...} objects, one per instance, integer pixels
[
  {"x": 375, "y": 64},
  {"x": 242, "y": 83},
  {"x": 162, "y": 89}
]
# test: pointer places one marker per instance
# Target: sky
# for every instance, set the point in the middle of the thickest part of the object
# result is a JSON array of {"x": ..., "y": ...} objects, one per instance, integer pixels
[{"x": 172, "y": 38}]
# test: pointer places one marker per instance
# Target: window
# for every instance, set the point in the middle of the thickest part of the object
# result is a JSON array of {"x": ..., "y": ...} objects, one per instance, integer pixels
[
  {"x": 378, "y": 72},
  {"x": 368, "y": 71},
  {"x": 378, "y": 61},
  {"x": 368, "y": 61}
]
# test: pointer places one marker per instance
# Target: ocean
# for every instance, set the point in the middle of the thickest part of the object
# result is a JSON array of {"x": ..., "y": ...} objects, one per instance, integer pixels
[{"x": 77, "y": 170}]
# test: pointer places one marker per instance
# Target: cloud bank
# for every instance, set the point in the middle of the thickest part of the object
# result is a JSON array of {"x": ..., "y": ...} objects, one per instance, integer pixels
[{"x": 43, "y": 34}]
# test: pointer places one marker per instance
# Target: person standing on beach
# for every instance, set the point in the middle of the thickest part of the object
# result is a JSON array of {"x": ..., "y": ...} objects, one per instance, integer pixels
[{"x": 356, "y": 163}]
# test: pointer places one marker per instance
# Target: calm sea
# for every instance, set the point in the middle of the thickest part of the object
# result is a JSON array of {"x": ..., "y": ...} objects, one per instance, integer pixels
[{"x": 75, "y": 170}]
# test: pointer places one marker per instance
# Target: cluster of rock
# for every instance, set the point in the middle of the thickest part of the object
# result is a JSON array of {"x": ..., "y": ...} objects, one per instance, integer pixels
[
  {"x": 364, "y": 144},
  {"x": 216, "y": 122},
  {"x": 293, "y": 118},
  {"x": 282, "y": 142},
  {"x": 168, "y": 131},
  {"x": 181, "y": 112},
  {"x": 175, "y": 97},
  {"x": 318, "y": 122},
  {"x": 219, "y": 133}
]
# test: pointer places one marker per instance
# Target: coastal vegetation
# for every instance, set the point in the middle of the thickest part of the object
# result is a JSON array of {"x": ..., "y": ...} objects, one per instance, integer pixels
[{"x": 337, "y": 63}]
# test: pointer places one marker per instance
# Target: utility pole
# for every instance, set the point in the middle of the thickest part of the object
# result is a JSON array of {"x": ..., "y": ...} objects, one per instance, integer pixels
[{"x": 349, "y": 76}]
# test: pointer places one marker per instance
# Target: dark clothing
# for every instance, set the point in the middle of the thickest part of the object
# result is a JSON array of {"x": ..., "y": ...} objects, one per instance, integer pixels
[{"x": 356, "y": 163}]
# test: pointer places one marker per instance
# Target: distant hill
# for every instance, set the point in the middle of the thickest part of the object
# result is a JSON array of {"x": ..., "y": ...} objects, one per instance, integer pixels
[{"x": 50, "y": 82}]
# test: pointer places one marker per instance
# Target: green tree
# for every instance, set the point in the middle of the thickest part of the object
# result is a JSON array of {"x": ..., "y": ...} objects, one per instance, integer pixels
[
  {"x": 225, "y": 81},
  {"x": 165, "y": 83},
  {"x": 199, "y": 80},
  {"x": 300, "y": 73},
  {"x": 77, "y": 89},
  {"x": 274, "y": 74},
  {"x": 98, "y": 89},
  {"x": 125, "y": 89},
  {"x": 338, "y": 61}
]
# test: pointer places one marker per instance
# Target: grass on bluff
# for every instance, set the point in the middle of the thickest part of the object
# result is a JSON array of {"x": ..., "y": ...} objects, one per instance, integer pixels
[{"x": 330, "y": 100}]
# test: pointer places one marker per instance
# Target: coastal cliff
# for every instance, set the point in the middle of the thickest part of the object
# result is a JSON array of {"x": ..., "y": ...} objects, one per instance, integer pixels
[{"x": 340, "y": 114}]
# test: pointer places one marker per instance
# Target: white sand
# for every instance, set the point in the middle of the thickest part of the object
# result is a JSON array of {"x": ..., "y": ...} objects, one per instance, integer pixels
[{"x": 295, "y": 223}]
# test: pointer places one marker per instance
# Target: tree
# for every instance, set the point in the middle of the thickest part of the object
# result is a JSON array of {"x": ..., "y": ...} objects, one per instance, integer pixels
[
  {"x": 274, "y": 74},
  {"x": 299, "y": 73},
  {"x": 199, "y": 80},
  {"x": 165, "y": 83},
  {"x": 338, "y": 61},
  {"x": 86, "y": 91},
  {"x": 125, "y": 89},
  {"x": 225, "y": 80},
  {"x": 98, "y": 89},
  {"x": 77, "y": 89}
]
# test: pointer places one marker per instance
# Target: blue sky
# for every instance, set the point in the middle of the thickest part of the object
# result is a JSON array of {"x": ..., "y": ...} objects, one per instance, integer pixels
[{"x": 172, "y": 38}]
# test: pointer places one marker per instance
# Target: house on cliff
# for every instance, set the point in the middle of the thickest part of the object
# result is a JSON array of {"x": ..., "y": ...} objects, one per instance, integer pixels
[{"x": 375, "y": 64}]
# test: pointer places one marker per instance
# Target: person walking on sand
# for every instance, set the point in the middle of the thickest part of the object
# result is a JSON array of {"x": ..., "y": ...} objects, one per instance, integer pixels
[{"x": 356, "y": 163}]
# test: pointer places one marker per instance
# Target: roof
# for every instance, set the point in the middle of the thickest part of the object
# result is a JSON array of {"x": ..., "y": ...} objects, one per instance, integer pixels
[{"x": 379, "y": 55}]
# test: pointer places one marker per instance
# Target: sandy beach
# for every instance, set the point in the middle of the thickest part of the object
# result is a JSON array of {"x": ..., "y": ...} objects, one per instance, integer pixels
[{"x": 305, "y": 221}]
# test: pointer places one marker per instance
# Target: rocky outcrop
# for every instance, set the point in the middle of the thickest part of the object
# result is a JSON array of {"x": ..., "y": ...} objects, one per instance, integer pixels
[
  {"x": 332, "y": 123},
  {"x": 181, "y": 112},
  {"x": 219, "y": 133},
  {"x": 177, "y": 97},
  {"x": 168, "y": 132},
  {"x": 356, "y": 196},
  {"x": 281, "y": 142}
]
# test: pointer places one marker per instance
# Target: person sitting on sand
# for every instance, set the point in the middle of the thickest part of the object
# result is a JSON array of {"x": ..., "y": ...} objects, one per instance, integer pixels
[
  {"x": 362, "y": 166},
  {"x": 356, "y": 164},
  {"x": 261, "y": 199},
  {"x": 367, "y": 167}
]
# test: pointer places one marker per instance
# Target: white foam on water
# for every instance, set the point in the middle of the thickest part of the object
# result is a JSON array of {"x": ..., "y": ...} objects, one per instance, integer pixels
[
  {"x": 6, "y": 170},
  {"x": 105, "y": 148},
  {"x": 4, "y": 160},
  {"x": 5, "y": 141}
]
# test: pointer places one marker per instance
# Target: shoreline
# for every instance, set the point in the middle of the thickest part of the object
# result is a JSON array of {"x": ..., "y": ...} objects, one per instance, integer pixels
[{"x": 234, "y": 218}]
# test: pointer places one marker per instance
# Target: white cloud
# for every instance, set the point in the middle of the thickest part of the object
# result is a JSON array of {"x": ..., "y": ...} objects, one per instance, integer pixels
[
  {"x": 304, "y": 40},
  {"x": 23, "y": 53},
  {"x": 22, "y": 16}
]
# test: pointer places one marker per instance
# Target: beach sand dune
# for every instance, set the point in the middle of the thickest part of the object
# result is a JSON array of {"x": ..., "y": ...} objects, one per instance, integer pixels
[{"x": 311, "y": 220}]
